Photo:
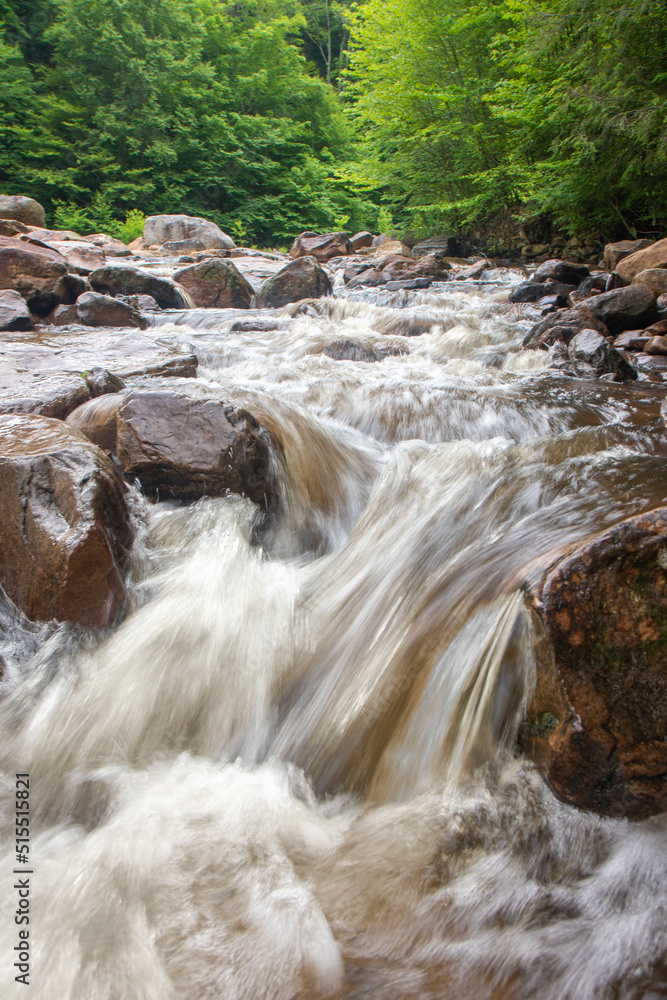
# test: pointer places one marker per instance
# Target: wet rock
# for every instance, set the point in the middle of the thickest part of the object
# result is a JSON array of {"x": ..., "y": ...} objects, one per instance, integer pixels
[
  {"x": 563, "y": 325},
  {"x": 62, "y": 316},
  {"x": 597, "y": 721},
  {"x": 321, "y": 246},
  {"x": 654, "y": 362},
  {"x": 258, "y": 324},
  {"x": 174, "y": 248},
  {"x": 20, "y": 639},
  {"x": 655, "y": 278},
  {"x": 624, "y": 308},
  {"x": 216, "y": 283},
  {"x": 22, "y": 209},
  {"x": 117, "y": 279},
  {"x": 35, "y": 272},
  {"x": 566, "y": 271},
  {"x": 408, "y": 283},
  {"x": 161, "y": 229},
  {"x": 527, "y": 291},
  {"x": 48, "y": 395},
  {"x": 361, "y": 240},
  {"x": 14, "y": 312},
  {"x": 656, "y": 345},
  {"x": 662, "y": 306},
  {"x": 631, "y": 340},
  {"x": 615, "y": 252},
  {"x": 394, "y": 247},
  {"x": 351, "y": 350},
  {"x": 100, "y": 382},
  {"x": 66, "y": 530},
  {"x": 643, "y": 260},
  {"x": 592, "y": 356},
  {"x": 142, "y": 303},
  {"x": 95, "y": 309},
  {"x": 355, "y": 268},
  {"x": 370, "y": 276},
  {"x": 475, "y": 271},
  {"x": 442, "y": 244},
  {"x": 433, "y": 265},
  {"x": 301, "y": 279},
  {"x": 187, "y": 448},
  {"x": 559, "y": 288},
  {"x": 98, "y": 420}
]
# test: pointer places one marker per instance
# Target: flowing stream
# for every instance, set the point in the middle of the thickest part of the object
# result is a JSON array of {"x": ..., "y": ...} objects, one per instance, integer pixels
[{"x": 289, "y": 773}]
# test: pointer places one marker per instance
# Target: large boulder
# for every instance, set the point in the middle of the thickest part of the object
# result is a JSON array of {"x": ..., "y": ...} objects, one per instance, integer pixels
[
  {"x": 160, "y": 229},
  {"x": 95, "y": 309},
  {"x": 187, "y": 448},
  {"x": 22, "y": 209},
  {"x": 624, "y": 308},
  {"x": 14, "y": 312},
  {"x": 655, "y": 278},
  {"x": 643, "y": 260},
  {"x": 321, "y": 246},
  {"x": 563, "y": 325},
  {"x": 65, "y": 532},
  {"x": 596, "y": 724},
  {"x": 36, "y": 272},
  {"x": 592, "y": 356},
  {"x": 301, "y": 279},
  {"x": 117, "y": 279},
  {"x": 216, "y": 283},
  {"x": 615, "y": 252},
  {"x": 566, "y": 271}
]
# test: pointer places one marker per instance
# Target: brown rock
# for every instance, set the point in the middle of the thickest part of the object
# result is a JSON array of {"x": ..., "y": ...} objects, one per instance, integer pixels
[
  {"x": 97, "y": 419},
  {"x": 22, "y": 209},
  {"x": 14, "y": 312},
  {"x": 475, "y": 271},
  {"x": 442, "y": 244},
  {"x": 624, "y": 308},
  {"x": 615, "y": 252},
  {"x": 351, "y": 350},
  {"x": 370, "y": 277},
  {"x": 566, "y": 271},
  {"x": 117, "y": 279},
  {"x": 301, "y": 279},
  {"x": 66, "y": 531},
  {"x": 10, "y": 227},
  {"x": 321, "y": 246},
  {"x": 100, "y": 382},
  {"x": 563, "y": 325},
  {"x": 643, "y": 260},
  {"x": 656, "y": 345},
  {"x": 631, "y": 340},
  {"x": 216, "y": 283},
  {"x": 188, "y": 448},
  {"x": 36, "y": 272},
  {"x": 655, "y": 278},
  {"x": 94, "y": 309},
  {"x": 432, "y": 265},
  {"x": 361, "y": 240},
  {"x": 597, "y": 722},
  {"x": 161, "y": 229}
]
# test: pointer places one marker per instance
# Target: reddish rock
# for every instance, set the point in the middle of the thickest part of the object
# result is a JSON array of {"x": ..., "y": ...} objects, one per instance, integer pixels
[
  {"x": 216, "y": 284},
  {"x": 596, "y": 724},
  {"x": 22, "y": 209},
  {"x": 65, "y": 532},
  {"x": 632, "y": 340},
  {"x": 615, "y": 252},
  {"x": 644, "y": 260},
  {"x": 655, "y": 278},
  {"x": 432, "y": 265},
  {"x": 321, "y": 246},
  {"x": 187, "y": 448},
  {"x": 656, "y": 345},
  {"x": 35, "y": 272},
  {"x": 361, "y": 240},
  {"x": 370, "y": 277},
  {"x": 301, "y": 279},
  {"x": 474, "y": 271}
]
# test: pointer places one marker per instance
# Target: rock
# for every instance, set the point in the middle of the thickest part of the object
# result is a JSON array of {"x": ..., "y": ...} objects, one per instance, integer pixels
[
  {"x": 36, "y": 272},
  {"x": 94, "y": 309},
  {"x": 563, "y": 325},
  {"x": 187, "y": 448},
  {"x": 100, "y": 382},
  {"x": 656, "y": 345},
  {"x": 592, "y": 356},
  {"x": 597, "y": 721},
  {"x": 643, "y": 260},
  {"x": 658, "y": 329},
  {"x": 161, "y": 229},
  {"x": 303, "y": 278},
  {"x": 14, "y": 313},
  {"x": 624, "y": 308},
  {"x": 117, "y": 279},
  {"x": 447, "y": 245},
  {"x": 351, "y": 350},
  {"x": 558, "y": 288},
  {"x": 654, "y": 278},
  {"x": 408, "y": 283},
  {"x": 137, "y": 245},
  {"x": 142, "y": 303},
  {"x": 176, "y": 247},
  {"x": 361, "y": 240},
  {"x": 396, "y": 248},
  {"x": 10, "y": 227},
  {"x": 475, "y": 271},
  {"x": 62, "y": 316},
  {"x": 20, "y": 639},
  {"x": 562, "y": 270},
  {"x": 433, "y": 265},
  {"x": 22, "y": 209},
  {"x": 321, "y": 246},
  {"x": 631, "y": 340},
  {"x": 615, "y": 252},
  {"x": 355, "y": 268},
  {"x": 66, "y": 532},
  {"x": 526, "y": 291},
  {"x": 655, "y": 362},
  {"x": 216, "y": 283},
  {"x": 371, "y": 277},
  {"x": 662, "y": 306},
  {"x": 48, "y": 395},
  {"x": 98, "y": 419}
]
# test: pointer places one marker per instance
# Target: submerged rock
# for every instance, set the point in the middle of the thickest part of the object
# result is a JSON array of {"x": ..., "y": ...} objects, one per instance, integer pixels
[
  {"x": 597, "y": 722},
  {"x": 350, "y": 350},
  {"x": 187, "y": 448},
  {"x": 66, "y": 532}
]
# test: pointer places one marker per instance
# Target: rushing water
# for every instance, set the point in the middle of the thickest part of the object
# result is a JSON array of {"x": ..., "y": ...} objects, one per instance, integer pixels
[{"x": 288, "y": 774}]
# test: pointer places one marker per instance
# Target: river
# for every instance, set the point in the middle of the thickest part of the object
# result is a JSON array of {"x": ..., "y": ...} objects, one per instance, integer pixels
[{"x": 289, "y": 772}]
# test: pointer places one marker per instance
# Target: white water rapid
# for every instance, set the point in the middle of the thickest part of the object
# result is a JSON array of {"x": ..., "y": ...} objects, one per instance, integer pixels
[{"x": 289, "y": 774}]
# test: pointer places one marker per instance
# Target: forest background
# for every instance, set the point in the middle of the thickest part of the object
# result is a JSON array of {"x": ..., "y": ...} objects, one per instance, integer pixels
[{"x": 275, "y": 116}]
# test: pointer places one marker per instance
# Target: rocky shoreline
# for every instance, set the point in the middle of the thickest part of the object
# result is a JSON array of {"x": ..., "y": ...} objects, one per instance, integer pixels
[{"x": 79, "y": 424}]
